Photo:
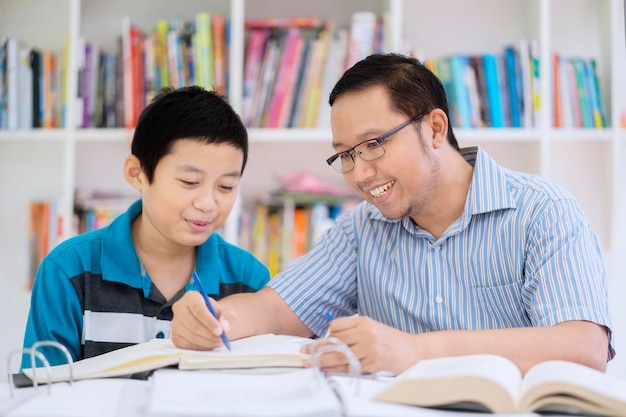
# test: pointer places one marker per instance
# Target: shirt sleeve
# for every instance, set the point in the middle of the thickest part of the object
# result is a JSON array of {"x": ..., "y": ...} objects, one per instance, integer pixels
[
  {"x": 324, "y": 280},
  {"x": 55, "y": 315},
  {"x": 564, "y": 269}
]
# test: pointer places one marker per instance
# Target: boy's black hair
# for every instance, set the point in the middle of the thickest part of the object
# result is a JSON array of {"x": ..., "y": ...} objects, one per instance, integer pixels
[
  {"x": 413, "y": 89},
  {"x": 185, "y": 113}
]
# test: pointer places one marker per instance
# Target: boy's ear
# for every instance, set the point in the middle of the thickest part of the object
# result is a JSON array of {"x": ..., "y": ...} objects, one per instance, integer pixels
[{"x": 133, "y": 173}]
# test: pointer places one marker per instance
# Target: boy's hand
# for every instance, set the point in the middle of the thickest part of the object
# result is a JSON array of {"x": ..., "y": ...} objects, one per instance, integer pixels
[{"x": 193, "y": 325}]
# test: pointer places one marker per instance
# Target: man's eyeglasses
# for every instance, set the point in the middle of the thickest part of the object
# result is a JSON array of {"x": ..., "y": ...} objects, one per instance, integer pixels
[{"x": 368, "y": 150}]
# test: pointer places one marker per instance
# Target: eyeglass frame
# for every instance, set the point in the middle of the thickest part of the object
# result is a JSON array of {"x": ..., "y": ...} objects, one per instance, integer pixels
[{"x": 379, "y": 141}]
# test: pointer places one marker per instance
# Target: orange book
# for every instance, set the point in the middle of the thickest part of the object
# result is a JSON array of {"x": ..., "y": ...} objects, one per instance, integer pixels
[
  {"x": 300, "y": 231},
  {"x": 558, "y": 111}
]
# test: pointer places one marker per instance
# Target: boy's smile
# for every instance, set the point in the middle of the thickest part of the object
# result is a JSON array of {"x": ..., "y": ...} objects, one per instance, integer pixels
[{"x": 193, "y": 191}]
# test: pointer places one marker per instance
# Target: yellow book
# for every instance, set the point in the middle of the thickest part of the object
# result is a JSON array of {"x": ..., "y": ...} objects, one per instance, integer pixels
[{"x": 204, "y": 58}]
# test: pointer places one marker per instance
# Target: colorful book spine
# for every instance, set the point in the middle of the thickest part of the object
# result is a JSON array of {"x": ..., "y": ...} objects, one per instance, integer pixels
[
  {"x": 285, "y": 67},
  {"x": 493, "y": 89},
  {"x": 513, "y": 85},
  {"x": 252, "y": 72},
  {"x": 458, "y": 68},
  {"x": 219, "y": 52},
  {"x": 574, "y": 93}
]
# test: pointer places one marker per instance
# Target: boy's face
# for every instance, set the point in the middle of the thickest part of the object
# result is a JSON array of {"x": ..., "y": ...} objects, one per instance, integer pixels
[{"x": 193, "y": 190}]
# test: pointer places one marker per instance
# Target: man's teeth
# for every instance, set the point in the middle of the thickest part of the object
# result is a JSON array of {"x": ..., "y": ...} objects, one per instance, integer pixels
[{"x": 377, "y": 192}]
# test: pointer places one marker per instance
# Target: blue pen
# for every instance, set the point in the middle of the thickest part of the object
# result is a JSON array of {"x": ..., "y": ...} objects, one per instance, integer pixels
[
  {"x": 196, "y": 279},
  {"x": 331, "y": 318}
]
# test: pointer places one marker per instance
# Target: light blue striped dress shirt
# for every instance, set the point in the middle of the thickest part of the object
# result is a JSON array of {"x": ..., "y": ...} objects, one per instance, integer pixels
[{"x": 521, "y": 254}]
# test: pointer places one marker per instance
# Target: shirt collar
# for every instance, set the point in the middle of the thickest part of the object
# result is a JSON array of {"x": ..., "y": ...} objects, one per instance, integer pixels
[
  {"x": 120, "y": 262},
  {"x": 488, "y": 188}
]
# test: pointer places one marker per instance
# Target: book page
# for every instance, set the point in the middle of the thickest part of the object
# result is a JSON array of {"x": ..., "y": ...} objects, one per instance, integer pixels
[
  {"x": 292, "y": 393},
  {"x": 154, "y": 354},
  {"x": 358, "y": 400},
  {"x": 561, "y": 386},
  {"x": 267, "y": 350},
  {"x": 255, "y": 351},
  {"x": 487, "y": 382}
]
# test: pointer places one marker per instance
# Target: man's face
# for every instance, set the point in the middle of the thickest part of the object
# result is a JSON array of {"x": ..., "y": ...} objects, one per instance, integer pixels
[
  {"x": 192, "y": 193},
  {"x": 401, "y": 182}
]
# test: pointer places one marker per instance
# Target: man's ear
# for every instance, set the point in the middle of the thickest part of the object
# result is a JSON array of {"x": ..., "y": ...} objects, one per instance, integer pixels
[
  {"x": 133, "y": 173},
  {"x": 439, "y": 125}
]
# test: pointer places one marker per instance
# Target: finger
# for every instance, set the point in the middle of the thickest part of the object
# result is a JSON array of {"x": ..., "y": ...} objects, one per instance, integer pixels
[
  {"x": 343, "y": 323},
  {"x": 193, "y": 326}
]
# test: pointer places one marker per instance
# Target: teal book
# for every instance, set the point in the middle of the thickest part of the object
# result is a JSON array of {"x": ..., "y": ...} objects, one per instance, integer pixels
[
  {"x": 513, "y": 84},
  {"x": 493, "y": 89}
]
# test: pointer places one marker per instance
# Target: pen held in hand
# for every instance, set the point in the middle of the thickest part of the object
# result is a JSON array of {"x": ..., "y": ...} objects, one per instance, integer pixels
[
  {"x": 201, "y": 290},
  {"x": 330, "y": 318}
]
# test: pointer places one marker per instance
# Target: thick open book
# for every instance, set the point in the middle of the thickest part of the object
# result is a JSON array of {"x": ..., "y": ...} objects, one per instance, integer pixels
[
  {"x": 252, "y": 352},
  {"x": 493, "y": 383}
]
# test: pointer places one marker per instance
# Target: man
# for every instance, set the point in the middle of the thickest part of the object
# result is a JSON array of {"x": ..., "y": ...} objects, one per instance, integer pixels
[{"x": 449, "y": 254}]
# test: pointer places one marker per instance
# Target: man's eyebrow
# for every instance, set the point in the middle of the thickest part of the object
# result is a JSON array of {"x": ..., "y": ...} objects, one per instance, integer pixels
[{"x": 366, "y": 135}]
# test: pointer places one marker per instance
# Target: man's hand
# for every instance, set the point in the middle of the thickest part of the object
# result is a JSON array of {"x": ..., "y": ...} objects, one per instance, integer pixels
[
  {"x": 377, "y": 347},
  {"x": 193, "y": 325}
]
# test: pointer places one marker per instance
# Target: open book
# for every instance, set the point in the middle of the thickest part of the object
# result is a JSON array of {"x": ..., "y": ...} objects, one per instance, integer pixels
[
  {"x": 252, "y": 352},
  {"x": 493, "y": 383}
]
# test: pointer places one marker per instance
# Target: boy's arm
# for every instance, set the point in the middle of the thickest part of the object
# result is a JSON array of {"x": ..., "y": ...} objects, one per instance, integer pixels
[{"x": 241, "y": 315}]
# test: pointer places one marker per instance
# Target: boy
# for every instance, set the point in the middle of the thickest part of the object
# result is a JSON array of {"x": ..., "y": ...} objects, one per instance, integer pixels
[{"x": 114, "y": 287}]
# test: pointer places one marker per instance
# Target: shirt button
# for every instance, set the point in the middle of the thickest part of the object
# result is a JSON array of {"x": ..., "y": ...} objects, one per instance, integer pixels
[
  {"x": 439, "y": 299},
  {"x": 160, "y": 335},
  {"x": 438, "y": 248}
]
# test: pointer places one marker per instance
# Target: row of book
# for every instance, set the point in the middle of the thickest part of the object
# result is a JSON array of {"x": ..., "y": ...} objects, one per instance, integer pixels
[
  {"x": 45, "y": 232},
  {"x": 32, "y": 84},
  {"x": 578, "y": 99},
  {"x": 291, "y": 69},
  {"x": 115, "y": 86},
  {"x": 503, "y": 89},
  {"x": 284, "y": 226},
  {"x": 500, "y": 89},
  {"x": 95, "y": 210}
]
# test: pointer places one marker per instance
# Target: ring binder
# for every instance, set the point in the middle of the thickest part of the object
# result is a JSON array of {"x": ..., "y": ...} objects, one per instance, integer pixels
[
  {"x": 20, "y": 380},
  {"x": 332, "y": 344},
  {"x": 62, "y": 348},
  {"x": 32, "y": 353}
]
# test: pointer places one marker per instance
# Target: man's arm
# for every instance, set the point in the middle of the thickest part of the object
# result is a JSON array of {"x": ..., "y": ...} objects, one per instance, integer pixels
[
  {"x": 240, "y": 315},
  {"x": 380, "y": 347}
]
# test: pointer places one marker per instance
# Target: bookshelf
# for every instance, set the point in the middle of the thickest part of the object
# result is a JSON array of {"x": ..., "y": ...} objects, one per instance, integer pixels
[{"x": 49, "y": 163}]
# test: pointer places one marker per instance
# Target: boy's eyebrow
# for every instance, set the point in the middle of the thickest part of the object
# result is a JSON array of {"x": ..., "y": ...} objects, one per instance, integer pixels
[{"x": 194, "y": 169}]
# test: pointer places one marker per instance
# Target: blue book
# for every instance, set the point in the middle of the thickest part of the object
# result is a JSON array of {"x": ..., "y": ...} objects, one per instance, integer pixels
[
  {"x": 513, "y": 84},
  {"x": 459, "y": 64},
  {"x": 493, "y": 89}
]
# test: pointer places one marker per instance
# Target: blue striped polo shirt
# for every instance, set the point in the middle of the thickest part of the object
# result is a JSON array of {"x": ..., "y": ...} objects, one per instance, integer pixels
[
  {"x": 92, "y": 294},
  {"x": 521, "y": 254}
]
